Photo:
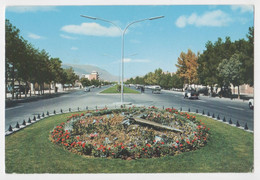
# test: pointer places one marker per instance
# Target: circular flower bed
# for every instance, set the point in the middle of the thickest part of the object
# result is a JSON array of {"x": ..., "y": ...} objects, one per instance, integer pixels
[{"x": 117, "y": 133}]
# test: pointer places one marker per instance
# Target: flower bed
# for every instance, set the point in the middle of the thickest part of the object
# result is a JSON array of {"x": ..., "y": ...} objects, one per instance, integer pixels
[{"x": 115, "y": 133}]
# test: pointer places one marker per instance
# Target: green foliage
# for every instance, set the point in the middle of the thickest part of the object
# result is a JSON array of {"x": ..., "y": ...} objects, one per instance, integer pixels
[
  {"x": 213, "y": 56},
  {"x": 230, "y": 70},
  {"x": 26, "y": 63},
  {"x": 165, "y": 80}
]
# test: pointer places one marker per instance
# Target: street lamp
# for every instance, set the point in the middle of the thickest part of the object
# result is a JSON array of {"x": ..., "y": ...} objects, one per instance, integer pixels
[{"x": 122, "y": 36}]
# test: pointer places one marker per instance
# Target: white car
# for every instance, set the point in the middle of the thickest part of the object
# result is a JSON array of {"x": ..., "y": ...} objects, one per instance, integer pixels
[
  {"x": 156, "y": 89},
  {"x": 251, "y": 103}
]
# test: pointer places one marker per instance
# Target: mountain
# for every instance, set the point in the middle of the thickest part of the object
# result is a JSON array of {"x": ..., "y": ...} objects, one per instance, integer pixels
[{"x": 87, "y": 69}]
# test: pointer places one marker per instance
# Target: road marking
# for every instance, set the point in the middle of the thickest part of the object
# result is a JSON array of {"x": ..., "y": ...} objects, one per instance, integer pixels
[
  {"x": 13, "y": 107},
  {"x": 235, "y": 108}
]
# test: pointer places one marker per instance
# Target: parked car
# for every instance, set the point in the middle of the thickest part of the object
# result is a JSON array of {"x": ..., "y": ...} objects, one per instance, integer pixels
[
  {"x": 191, "y": 94},
  {"x": 251, "y": 103},
  {"x": 21, "y": 89},
  {"x": 225, "y": 92}
]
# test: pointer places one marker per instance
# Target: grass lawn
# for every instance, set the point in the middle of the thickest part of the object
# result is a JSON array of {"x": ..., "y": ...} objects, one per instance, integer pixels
[
  {"x": 30, "y": 151},
  {"x": 113, "y": 89}
]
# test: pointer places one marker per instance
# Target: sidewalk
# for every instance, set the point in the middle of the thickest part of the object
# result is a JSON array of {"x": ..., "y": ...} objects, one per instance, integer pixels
[{"x": 9, "y": 102}]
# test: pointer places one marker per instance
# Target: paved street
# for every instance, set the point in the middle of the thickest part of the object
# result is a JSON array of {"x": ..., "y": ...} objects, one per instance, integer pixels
[{"x": 235, "y": 109}]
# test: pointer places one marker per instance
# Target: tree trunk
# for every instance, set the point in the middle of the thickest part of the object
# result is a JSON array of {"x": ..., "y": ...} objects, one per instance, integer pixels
[
  {"x": 6, "y": 89},
  {"x": 13, "y": 82},
  {"x": 30, "y": 89},
  {"x": 49, "y": 88},
  {"x": 25, "y": 92},
  {"x": 43, "y": 88},
  {"x": 20, "y": 93},
  {"x": 40, "y": 86},
  {"x": 238, "y": 92},
  {"x": 34, "y": 88}
]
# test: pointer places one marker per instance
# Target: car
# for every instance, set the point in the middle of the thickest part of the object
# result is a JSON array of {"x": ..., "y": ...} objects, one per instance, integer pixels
[
  {"x": 191, "y": 94},
  {"x": 87, "y": 89},
  {"x": 251, "y": 103},
  {"x": 21, "y": 88},
  {"x": 156, "y": 89}
]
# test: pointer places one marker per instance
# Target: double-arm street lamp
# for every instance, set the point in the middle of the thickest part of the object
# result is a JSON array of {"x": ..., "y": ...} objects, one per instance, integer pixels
[{"x": 122, "y": 36}]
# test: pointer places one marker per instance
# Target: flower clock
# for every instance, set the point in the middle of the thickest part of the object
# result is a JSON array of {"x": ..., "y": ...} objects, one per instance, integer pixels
[{"x": 118, "y": 133}]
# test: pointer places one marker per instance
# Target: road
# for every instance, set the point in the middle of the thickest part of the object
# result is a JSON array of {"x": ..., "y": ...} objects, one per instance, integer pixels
[{"x": 234, "y": 109}]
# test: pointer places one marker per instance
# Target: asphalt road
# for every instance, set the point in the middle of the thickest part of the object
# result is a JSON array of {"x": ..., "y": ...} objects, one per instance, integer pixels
[{"x": 235, "y": 109}]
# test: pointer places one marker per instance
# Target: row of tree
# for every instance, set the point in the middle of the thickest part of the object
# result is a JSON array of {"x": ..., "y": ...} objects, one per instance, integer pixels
[
  {"x": 24, "y": 63},
  {"x": 95, "y": 82},
  {"x": 158, "y": 77},
  {"x": 221, "y": 64}
]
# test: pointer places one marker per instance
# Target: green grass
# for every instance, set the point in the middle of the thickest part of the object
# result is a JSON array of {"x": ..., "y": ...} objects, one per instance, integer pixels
[
  {"x": 113, "y": 89},
  {"x": 30, "y": 151}
]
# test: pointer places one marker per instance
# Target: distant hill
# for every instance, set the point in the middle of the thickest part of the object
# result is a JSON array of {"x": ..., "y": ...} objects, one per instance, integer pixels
[{"x": 87, "y": 69}]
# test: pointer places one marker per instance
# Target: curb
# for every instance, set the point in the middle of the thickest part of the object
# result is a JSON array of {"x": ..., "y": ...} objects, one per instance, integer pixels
[
  {"x": 223, "y": 121},
  {"x": 35, "y": 119}
]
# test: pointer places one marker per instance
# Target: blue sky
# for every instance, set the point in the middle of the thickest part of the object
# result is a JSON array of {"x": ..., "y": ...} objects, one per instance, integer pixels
[{"x": 148, "y": 45}]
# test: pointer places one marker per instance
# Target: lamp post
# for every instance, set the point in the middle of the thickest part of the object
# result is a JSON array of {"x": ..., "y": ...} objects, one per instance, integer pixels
[{"x": 122, "y": 36}]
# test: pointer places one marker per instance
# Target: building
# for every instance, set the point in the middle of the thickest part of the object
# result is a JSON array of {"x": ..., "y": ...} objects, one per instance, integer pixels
[
  {"x": 94, "y": 75},
  {"x": 85, "y": 76}
]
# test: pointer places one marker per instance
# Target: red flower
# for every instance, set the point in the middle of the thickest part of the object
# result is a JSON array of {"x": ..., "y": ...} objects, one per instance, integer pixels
[
  {"x": 122, "y": 147},
  {"x": 177, "y": 141},
  {"x": 181, "y": 145},
  {"x": 77, "y": 137},
  {"x": 83, "y": 145},
  {"x": 162, "y": 142},
  {"x": 143, "y": 149}
]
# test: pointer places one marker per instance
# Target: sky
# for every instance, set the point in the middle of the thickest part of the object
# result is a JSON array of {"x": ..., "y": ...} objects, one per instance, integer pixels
[{"x": 148, "y": 45}]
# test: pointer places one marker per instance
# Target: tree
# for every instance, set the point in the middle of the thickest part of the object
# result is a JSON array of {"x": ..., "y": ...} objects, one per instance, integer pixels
[
  {"x": 177, "y": 81},
  {"x": 14, "y": 49},
  {"x": 71, "y": 76},
  {"x": 165, "y": 81},
  {"x": 56, "y": 70},
  {"x": 85, "y": 82},
  {"x": 187, "y": 67},
  {"x": 248, "y": 62},
  {"x": 150, "y": 79},
  {"x": 230, "y": 71}
]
